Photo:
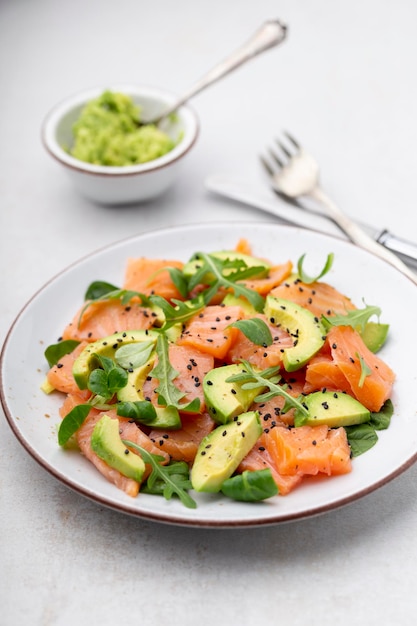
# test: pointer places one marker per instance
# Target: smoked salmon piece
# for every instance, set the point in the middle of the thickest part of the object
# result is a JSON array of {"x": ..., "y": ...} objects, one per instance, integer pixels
[
  {"x": 182, "y": 445},
  {"x": 260, "y": 356},
  {"x": 60, "y": 375},
  {"x": 74, "y": 399},
  {"x": 260, "y": 458},
  {"x": 148, "y": 276},
  {"x": 309, "y": 450},
  {"x": 276, "y": 275},
  {"x": 209, "y": 330},
  {"x": 106, "y": 317},
  {"x": 192, "y": 365},
  {"x": 318, "y": 297},
  {"x": 128, "y": 430},
  {"x": 344, "y": 370}
]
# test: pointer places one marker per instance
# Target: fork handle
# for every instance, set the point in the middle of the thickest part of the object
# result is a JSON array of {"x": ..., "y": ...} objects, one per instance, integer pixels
[{"x": 359, "y": 236}]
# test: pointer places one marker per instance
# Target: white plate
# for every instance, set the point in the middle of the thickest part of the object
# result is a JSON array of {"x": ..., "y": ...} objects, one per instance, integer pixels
[{"x": 33, "y": 416}]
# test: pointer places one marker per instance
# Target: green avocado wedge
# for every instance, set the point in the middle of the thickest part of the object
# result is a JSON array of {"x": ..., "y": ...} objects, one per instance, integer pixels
[
  {"x": 107, "y": 444},
  {"x": 165, "y": 417},
  {"x": 225, "y": 400},
  {"x": 107, "y": 347},
  {"x": 307, "y": 331},
  {"x": 220, "y": 452},
  {"x": 334, "y": 409}
]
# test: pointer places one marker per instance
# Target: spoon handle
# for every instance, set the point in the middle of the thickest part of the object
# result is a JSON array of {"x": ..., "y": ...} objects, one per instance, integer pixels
[{"x": 270, "y": 34}]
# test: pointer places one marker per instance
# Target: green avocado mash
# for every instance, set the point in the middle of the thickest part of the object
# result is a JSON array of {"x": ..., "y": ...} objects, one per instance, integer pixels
[{"x": 107, "y": 133}]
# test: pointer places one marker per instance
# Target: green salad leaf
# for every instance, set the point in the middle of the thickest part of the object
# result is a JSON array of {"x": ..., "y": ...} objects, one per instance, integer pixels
[
  {"x": 218, "y": 273},
  {"x": 107, "y": 381},
  {"x": 170, "y": 479},
  {"x": 56, "y": 351},
  {"x": 305, "y": 278},
  {"x": 169, "y": 394},
  {"x": 180, "y": 313},
  {"x": 133, "y": 355},
  {"x": 255, "y": 330},
  {"x": 250, "y": 486},
  {"x": 250, "y": 378},
  {"x": 357, "y": 318},
  {"x": 142, "y": 411},
  {"x": 72, "y": 422},
  {"x": 362, "y": 437}
]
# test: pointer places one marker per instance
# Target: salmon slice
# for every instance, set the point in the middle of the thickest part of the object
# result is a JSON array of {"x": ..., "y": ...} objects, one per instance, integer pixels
[
  {"x": 260, "y": 356},
  {"x": 60, "y": 375},
  {"x": 345, "y": 369},
  {"x": 260, "y": 458},
  {"x": 276, "y": 275},
  {"x": 74, "y": 399},
  {"x": 106, "y": 317},
  {"x": 319, "y": 298},
  {"x": 243, "y": 247},
  {"x": 271, "y": 411},
  {"x": 192, "y": 365},
  {"x": 182, "y": 445},
  {"x": 128, "y": 430},
  {"x": 309, "y": 450},
  {"x": 323, "y": 373},
  {"x": 148, "y": 276},
  {"x": 209, "y": 331}
]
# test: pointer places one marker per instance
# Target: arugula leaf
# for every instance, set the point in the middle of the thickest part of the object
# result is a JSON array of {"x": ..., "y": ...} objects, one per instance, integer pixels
[
  {"x": 56, "y": 351},
  {"x": 169, "y": 394},
  {"x": 174, "y": 481},
  {"x": 357, "y": 318},
  {"x": 72, "y": 422},
  {"x": 250, "y": 379},
  {"x": 305, "y": 278},
  {"x": 255, "y": 330},
  {"x": 213, "y": 272},
  {"x": 180, "y": 313}
]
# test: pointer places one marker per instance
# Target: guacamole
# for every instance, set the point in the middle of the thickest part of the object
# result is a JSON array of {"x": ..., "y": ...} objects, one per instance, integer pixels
[{"x": 107, "y": 133}]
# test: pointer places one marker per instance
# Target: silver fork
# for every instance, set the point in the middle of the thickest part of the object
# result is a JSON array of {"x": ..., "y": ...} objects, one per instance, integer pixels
[{"x": 295, "y": 173}]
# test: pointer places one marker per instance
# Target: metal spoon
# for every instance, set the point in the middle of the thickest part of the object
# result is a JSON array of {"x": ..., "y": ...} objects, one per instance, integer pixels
[{"x": 270, "y": 34}]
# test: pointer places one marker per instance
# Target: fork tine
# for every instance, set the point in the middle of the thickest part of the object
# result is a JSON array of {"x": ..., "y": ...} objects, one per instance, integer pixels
[
  {"x": 293, "y": 141},
  {"x": 283, "y": 148},
  {"x": 276, "y": 158},
  {"x": 267, "y": 166}
]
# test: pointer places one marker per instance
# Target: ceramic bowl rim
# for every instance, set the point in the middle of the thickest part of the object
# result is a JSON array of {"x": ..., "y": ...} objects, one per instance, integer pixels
[{"x": 53, "y": 118}]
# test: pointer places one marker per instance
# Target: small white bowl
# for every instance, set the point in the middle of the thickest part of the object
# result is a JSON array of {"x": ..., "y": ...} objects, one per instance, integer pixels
[{"x": 121, "y": 185}]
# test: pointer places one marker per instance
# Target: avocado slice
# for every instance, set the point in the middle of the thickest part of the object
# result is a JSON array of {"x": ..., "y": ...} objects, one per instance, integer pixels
[
  {"x": 166, "y": 416},
  {"x": 374, "y": 335},
  {"x": 193, "y": 265},
  {"x": 231, "y": 300},
  {"x": 331, "y": 408},
  {"x": 300, "y": 323},
  {"x": 107, "y": 444},
  {"x": 108, "y": 346},
  {"x": 225, "y": 400},
  {"x": 220, "y": 452}
]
